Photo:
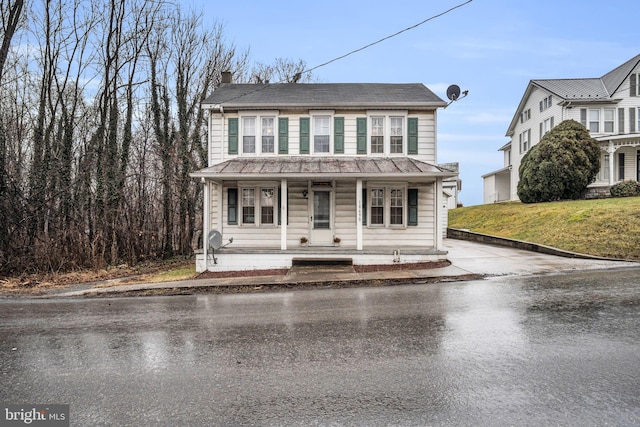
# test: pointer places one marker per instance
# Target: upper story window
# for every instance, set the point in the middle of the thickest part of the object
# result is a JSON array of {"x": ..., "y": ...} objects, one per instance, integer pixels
[
  {"x": 546, "y": 126},
  {"x": 268, "y": 132},
  {"x": 609, "y": 114},
  {"x": 526, "y": 115},
  {"x": 546, "y": 103},
  {"x": 525, "y": 141},
  {"x": 258, "y": 134},
  {"x": 321, "y": 134},
  {"x": 387, "y": 135},
  {"x": 598, "y": 120}
]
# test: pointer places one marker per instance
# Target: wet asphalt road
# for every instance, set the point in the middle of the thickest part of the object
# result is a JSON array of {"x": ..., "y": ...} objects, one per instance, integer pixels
[{"x": 545, "y": 350}]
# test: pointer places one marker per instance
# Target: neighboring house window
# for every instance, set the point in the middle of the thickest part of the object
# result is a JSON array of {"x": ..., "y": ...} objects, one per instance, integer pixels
[
  {"x": 268, "y": 134},
  {"x": 396, "y": 214},
  {"x": 525, "y": 138},
  {"x": 620, "y": 166},
  {"x": 546, "y": 103},
  {"x": 526, "y": 115},
  {"x": 546, "y": 126},
  {"x": 594, "y": 121},
  {"x": 508, "y": 158},
  {"x": 321, "y": 134},
  {"x": 603, "y": 175},
  {"x": 608, "y": 120},
  {"x": 377, "y": 206},
  {"x": 396, "y": 135},
  {"x": 249, "y": 135},
  {"x": 634, "y": 79},
  {"x": 258, "y": 206},
  {"x": 377, "y": 135}
]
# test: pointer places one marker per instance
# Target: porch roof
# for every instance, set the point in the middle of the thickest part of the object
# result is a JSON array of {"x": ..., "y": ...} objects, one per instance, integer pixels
[{"x": 322, "y": 167}]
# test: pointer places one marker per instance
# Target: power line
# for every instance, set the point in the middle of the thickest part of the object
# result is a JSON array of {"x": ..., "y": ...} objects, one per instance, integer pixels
[
  {"x": 387, "y": 37},
  {"x": 298, "y": 75}
]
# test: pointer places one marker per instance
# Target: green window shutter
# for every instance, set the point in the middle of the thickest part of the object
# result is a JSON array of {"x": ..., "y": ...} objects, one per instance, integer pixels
[
  {"x": 232, "y": 206},
  {"x": 304, "y": 135},
  {"x": 412, "y": 195},
  {"x": 364, "y": 206},
  {"x": 633, "y": 91},
  {"x": 233, "y": 136},
  {"x": 620, "y": 120},
  {"x": 583, "y": 117},
  {"x": 338, "y": 135},
  {"x": 283, "y": 135},
  {"x": 361, "y": 128},
  {"x": 412, "y": 131}
]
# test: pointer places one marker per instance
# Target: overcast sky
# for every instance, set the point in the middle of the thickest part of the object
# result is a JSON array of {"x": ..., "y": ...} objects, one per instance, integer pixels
[{"x": 492, "y": 48}]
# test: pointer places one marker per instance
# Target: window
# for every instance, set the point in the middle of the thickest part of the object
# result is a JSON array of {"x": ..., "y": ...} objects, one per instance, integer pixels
[
  {"x": 526, "y": 115},
  {"x": 620, "y": 166},
  {"x": 608, "y": 120},
  {"x": 266, "y": 205},
  {"x": 258, "y": 205},
  {"x": 546, "y": 126},
  {"x": 603, "y": 175},
  {"x": 377, "y": 206},
  {"x": 388, "y": 205},
  {"x": 396, "y": 214},
  {"x": 594, "y": 121},
  {"x": 268, "y": 131},
  {"x": 525, "y": 138},
  {"x": 249, "y": 135},
  {"x": 248, "y": 206},
  {"x": 321, "y": 134},
  {"x": 387, "y": 135},
  {"x": 377, "y": 135},
  {"x": 396, "y": 135},
  {"x": 546, "y": 103}
]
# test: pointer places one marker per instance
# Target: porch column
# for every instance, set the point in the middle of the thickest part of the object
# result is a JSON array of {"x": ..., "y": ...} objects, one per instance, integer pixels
[
  {"x": 611, "y": 150},
  {"x": 438, "y": 213},
  {"x": 359, "y": 214},
  {"x": 205, "y": 223},
  {"x": 283, "y": 214}
]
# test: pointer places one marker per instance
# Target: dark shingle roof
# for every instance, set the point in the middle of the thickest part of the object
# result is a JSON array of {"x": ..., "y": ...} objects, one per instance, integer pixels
[{"x": 324, "y": 95}]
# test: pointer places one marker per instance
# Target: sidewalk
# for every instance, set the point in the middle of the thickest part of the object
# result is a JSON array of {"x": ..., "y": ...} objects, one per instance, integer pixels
[{"x": 469, "y": 260}]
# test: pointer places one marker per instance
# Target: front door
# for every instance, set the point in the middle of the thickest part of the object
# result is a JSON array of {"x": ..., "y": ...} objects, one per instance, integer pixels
[{"x": 321, "y": 232}]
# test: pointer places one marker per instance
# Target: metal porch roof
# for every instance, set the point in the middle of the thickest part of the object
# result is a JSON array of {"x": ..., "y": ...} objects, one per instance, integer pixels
[{"x": 322, "y": 167}]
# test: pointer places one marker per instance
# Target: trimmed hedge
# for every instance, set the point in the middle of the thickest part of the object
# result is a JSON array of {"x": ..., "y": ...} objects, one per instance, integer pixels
[{"x": 626, "y": 189}]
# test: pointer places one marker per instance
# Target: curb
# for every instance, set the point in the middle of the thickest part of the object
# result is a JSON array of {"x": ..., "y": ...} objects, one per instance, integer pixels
[{"x": 460, "y": 234}]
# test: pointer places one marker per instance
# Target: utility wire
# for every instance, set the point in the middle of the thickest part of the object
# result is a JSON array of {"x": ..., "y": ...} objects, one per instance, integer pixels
[
  {"x": 387, "y": 37},
  {"x": 299, "y": 74}
]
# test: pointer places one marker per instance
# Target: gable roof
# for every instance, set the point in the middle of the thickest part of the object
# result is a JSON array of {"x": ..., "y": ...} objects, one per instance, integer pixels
[
  {"x": 323, "y": 95},
  {"x": 583, "y": 90}
]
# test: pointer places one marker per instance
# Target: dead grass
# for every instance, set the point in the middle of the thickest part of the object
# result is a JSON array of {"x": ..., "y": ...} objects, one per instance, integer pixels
[{"x": 605, "y": 227}]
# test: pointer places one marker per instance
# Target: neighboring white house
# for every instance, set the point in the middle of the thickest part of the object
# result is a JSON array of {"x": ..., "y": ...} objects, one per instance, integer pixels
[
  {"x": 327, "y": 171},
  {"x": 609, "y": 107}
]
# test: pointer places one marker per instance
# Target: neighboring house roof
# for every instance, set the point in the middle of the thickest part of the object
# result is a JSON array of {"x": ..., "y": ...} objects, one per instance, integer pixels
[
  {"x": 321, "y": 168},
  {"x": 582, "y": 90},
  {"x": 323, "y": 95}
]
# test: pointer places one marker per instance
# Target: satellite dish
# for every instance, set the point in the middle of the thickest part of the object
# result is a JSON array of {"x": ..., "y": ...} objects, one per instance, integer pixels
[
  {"x": 215, "y": 239},
  {"x": 453, "y": 92}
]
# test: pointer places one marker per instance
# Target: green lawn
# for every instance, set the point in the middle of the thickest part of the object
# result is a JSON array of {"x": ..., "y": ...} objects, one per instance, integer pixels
[{"x": 605, "y": 227}]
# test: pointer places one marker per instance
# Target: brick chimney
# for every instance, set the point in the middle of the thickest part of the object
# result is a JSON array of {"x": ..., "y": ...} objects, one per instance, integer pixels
[{"x": 227, "y": 77}]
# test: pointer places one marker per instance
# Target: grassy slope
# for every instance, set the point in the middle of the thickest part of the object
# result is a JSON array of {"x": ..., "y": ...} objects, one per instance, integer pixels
[{"x": 606, "y": 227}]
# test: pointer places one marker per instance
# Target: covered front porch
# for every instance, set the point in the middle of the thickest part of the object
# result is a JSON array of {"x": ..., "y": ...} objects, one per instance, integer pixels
[
  {"x": 620, "y": 161},
  {"x": 370, "y": 211}
]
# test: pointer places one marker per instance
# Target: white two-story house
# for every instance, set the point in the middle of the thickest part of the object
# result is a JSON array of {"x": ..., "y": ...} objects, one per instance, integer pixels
[
  {"x": 609, "y": 107},
  {"x": 322, "y": 171}
]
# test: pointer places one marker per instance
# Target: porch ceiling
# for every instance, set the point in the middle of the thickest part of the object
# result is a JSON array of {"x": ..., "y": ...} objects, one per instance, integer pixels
[{"x": 322, "y": 167}]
